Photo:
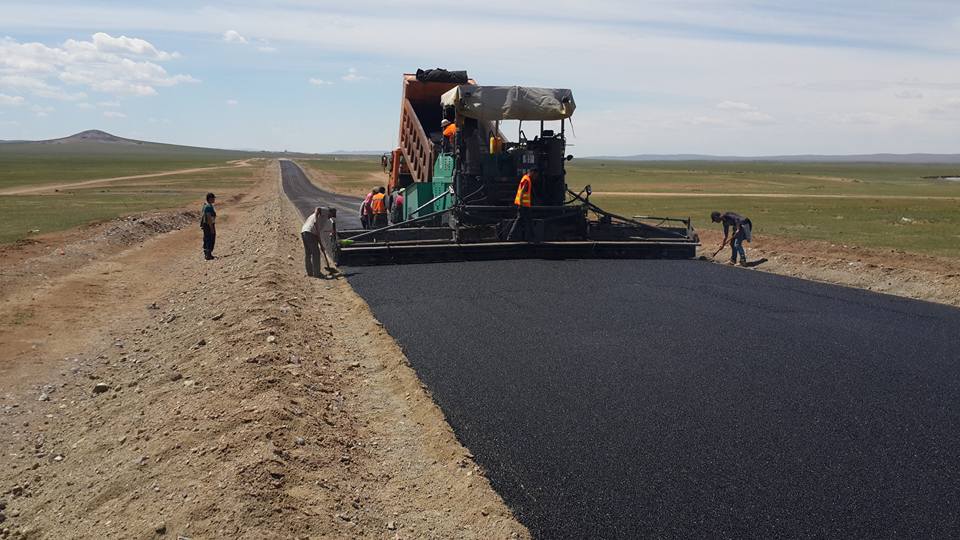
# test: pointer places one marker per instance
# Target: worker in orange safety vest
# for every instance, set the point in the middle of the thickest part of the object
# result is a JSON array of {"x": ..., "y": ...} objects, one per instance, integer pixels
[
  {"x": 449, "y": 132},
  {"x": 378, "y": 207},
  {"x": 523, "y": 202}
]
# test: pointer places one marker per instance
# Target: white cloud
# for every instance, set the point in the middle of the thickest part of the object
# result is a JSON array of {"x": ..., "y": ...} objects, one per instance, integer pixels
[
  {"x": 265, "y": 46},
  {"x": 232, "y": 36},
  {"x": 232, "y": 102},
  {"x": 106, "y": 43},
  {"x": 352, "y": 75},
  {"x": 908, "y": 94},
  {"x": 11, "y": 101},
  {"x": 319, "y": 82},
  {"x": 745, "y": 112},
  {"x": 236, "y": 38},
  {"x": 757, "y": 117},
  {"x": 37, "y": 86},
  {"x": 108, "y": 104},
  {"x": 113, "y": 114},
  {"x": 735, "y": 106},
  {"x": 84, "y": 105},
  {"x": 703, "y": 120},
  {"x": 42, "y": 111},
  {"x": 866, "y": 118},
  {"x": 107, "y": 64},
  {"x": 768, "y": 57}
]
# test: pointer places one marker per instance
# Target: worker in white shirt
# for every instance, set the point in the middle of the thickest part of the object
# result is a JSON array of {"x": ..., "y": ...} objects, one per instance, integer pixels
[{"x": 316, "y": 233}]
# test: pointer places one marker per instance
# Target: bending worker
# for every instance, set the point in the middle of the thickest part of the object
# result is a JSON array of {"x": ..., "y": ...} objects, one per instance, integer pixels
[
  {"x": 316, "y": 233},
  {"x": 523, "y": 201},
  {"x": 742, "y": 232}
]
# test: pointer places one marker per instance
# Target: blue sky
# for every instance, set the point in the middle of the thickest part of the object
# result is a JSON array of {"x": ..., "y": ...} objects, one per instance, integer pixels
[{"x": 743, "y": 77}]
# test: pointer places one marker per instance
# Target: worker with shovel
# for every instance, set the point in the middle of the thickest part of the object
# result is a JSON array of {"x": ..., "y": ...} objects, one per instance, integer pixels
[
  {"x": 742, "y": 232},
  {"x": 316, "y": 233}
]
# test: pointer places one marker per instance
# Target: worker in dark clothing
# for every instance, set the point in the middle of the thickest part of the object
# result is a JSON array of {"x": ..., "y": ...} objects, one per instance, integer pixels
[
  {"x": 742, "y": 231},
  {"x": 523, "y": 202},
  {"x": 208, "y": 219}
]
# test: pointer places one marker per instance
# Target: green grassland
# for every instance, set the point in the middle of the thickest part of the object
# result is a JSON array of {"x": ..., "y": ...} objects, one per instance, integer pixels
[
  {"x": 931, "y": 226},
  {"x": 872, "y": 216},
  {"x": 872, "y": 198},
  {"x": 354, "y": 174},
  {"x": 24, "y": 164},
  {"x": 764, "y": 177},
  {"x": 68, "y": 208}
]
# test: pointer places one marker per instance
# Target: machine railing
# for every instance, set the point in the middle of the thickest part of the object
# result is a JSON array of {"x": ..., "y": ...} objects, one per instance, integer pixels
[{"x": 417, "y": 148}]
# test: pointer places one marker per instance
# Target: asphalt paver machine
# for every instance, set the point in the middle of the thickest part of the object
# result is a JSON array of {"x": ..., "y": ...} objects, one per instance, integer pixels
[{"x": 458, "y": 192}]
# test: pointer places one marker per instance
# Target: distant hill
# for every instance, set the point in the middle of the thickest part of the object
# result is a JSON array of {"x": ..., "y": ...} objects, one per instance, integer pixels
[
  {"x": 805, "y": 158},
  {"x": 94, "y": 135},
  {"x": 97, "y": 142}
]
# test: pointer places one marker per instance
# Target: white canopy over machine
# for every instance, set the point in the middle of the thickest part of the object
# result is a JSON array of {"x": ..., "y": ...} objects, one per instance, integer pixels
[{"x": 493, "y": 103}]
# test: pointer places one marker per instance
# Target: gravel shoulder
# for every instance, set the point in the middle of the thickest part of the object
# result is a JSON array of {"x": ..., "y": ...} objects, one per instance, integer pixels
[{"x": 147, "y": 393}]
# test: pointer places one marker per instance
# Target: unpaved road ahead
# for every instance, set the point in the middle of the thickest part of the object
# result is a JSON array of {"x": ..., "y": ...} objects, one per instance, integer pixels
[{"x": 626, "y": 399}]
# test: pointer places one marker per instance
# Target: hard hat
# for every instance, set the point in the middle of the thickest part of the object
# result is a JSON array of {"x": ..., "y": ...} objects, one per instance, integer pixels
[{"x": 444, "y": 123}]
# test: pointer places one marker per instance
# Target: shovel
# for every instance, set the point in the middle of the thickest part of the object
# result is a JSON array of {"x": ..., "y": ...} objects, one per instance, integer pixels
[{"x": 723, "y": 245}]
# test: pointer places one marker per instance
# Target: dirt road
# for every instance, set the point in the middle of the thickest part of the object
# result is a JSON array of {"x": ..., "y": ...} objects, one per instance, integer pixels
[
  {"x": 100, "y": 181},
  {"x": 148, "y": 393}
]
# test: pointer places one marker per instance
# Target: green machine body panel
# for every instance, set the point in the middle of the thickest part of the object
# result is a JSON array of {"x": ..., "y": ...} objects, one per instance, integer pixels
[{"x": 418, "y": 193}]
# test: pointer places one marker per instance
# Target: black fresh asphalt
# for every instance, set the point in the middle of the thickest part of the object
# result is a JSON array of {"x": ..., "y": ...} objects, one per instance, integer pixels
[
  {"x": 636, "y": 399},
  {"x": 306, "y": 197}
]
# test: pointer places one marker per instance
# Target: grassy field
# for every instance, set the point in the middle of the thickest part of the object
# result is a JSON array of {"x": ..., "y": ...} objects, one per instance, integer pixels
[
  {"x": 873, "y": 205},
  {"x": 24, "y": 164},
  {"x": 355, "y": 175},
  {"x": 759, "y": 177},
  {"x": 20, "y": 215}
]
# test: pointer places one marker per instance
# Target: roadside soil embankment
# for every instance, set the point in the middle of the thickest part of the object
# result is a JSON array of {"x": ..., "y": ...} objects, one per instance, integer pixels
[{"x": 148, "y": 393}]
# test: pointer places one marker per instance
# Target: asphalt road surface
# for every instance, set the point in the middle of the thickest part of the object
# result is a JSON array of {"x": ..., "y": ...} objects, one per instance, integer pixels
[
  {"x": 626, "y": 399},
  {"x": 306, "y": 197}
]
